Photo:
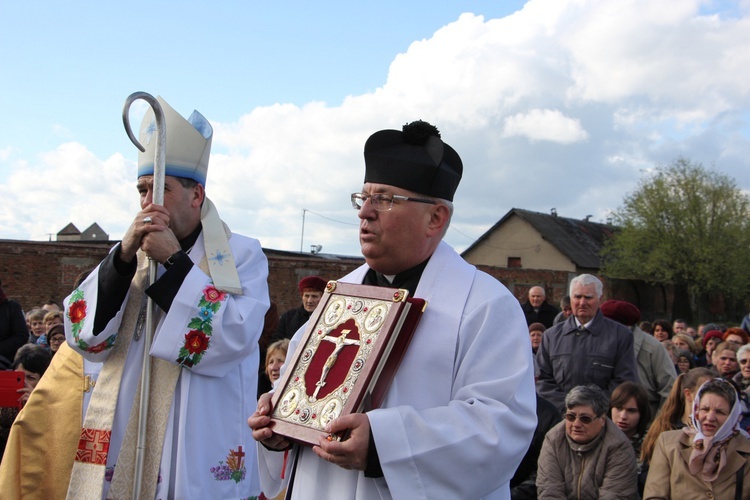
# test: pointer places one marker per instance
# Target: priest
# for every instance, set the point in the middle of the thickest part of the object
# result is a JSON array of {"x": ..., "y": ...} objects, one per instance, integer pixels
[
  {"x": 211, "y": 296},
  {"x": 460, "y": 412}
]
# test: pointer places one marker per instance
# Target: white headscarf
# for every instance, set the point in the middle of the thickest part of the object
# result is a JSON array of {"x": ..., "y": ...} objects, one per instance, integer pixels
[{"x": 709, "y": 455}]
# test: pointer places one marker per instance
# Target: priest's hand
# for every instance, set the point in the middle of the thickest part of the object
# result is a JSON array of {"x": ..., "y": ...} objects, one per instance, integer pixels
[
  {"x": 352, "y": 453},
  {"x": 259, "y": 423}
]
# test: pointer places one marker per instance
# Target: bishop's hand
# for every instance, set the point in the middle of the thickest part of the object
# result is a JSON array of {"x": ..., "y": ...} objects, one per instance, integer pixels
[{"x": 152, "y": 219}]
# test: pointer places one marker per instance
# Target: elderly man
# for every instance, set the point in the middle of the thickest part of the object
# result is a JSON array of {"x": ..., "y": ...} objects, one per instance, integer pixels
[
  {"x": 587, "y": 348},
  {"x": 311, "y": 290},
  {"x": 537, "y": 309},
  {"x": 211, "y": 296},
  {"x": 455, "y": 423},
  {"x": 655, "y": 368}
]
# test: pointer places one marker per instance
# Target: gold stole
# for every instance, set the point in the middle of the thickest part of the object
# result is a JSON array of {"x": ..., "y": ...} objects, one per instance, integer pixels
[
  {"x": 88, "y": 470},
  {"x": 90, "y": 462}
]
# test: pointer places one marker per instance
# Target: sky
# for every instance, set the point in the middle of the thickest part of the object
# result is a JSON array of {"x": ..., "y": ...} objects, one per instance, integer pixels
[{"x": 563, "y": 104}]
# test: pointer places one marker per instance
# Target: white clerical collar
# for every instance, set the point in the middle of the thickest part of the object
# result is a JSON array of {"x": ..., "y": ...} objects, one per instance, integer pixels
[{"x": 389, "y": 277}]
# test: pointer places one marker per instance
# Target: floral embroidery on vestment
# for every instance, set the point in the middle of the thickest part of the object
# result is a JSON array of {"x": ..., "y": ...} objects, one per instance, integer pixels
[
  {"x": 198, "y": 338},
  {"x": 234, "y": 469},
  {"x": 77, "y": 314}
]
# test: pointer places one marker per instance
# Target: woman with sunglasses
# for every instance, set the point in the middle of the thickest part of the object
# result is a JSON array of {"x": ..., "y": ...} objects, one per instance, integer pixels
[
  {"x": 586, "y": 455},
  {"x": 708, "y": 459}
]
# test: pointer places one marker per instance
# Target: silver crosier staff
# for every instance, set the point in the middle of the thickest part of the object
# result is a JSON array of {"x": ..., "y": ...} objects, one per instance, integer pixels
[{"x": 158, "y": 199}]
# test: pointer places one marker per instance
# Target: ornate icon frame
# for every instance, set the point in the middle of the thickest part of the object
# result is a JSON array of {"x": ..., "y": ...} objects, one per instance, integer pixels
[{"x": 314, "y": 390}]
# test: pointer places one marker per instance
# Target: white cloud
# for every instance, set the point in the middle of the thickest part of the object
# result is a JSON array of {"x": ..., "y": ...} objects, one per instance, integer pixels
[
  {"x": 5, "y": 153},
  {"x": 561, "y": 104},
  {"x": 545, "y": 125},
  {"x": 67, "y": 185}
]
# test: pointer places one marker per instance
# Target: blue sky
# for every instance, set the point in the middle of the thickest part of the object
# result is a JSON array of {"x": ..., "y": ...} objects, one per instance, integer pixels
[
  {"x": 550, "y": 103},
  {"x": 68, "y": 66}
]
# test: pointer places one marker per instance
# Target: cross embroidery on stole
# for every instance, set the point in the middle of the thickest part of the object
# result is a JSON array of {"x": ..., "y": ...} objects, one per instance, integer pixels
[{"x": 93, "y": 446}]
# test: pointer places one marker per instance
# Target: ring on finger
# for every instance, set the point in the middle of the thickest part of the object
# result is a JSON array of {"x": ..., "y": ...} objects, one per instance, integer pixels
[{"x": 147, "y": 220}]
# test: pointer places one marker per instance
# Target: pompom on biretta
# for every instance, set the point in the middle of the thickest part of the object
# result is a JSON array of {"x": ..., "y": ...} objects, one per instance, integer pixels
[{"x": 417, "y": 132}]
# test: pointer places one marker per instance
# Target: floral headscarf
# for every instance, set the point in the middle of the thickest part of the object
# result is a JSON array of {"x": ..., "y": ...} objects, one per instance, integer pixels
[{"x": 709, "y": 455}]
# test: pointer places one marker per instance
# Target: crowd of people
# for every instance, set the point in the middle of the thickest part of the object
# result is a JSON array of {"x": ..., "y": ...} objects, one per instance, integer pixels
[
  {"x": 24, "y": 348},
  {"x": 674, "y": 426},
  {"x": 596, "y": 404}
]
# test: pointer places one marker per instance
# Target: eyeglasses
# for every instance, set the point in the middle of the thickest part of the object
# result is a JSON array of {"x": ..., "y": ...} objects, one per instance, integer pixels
[
  {"x": 585, "y": 419},
  {"x": 383, "y": 202},
  {"x": 744, "y": 361}
]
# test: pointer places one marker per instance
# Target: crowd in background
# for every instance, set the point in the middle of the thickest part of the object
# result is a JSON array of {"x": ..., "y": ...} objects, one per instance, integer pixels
[
  {"x": 625, "y": 432},
  {"x": 24, "y": 347},
  {"x": 677, "y": 427}
]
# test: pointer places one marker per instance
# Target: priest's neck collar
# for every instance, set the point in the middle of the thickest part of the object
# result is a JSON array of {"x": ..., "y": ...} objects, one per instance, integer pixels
[{"x": 408, "y": 279}]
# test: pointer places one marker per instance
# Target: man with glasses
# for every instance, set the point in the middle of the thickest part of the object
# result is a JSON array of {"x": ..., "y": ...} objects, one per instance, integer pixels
[{"x": 459, "y": 414}]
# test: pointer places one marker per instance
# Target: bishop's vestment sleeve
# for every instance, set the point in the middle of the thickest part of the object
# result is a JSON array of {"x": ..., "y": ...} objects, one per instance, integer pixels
[
  {"x": 94, "y": 310},
  {"x": 208, "y": 331}
]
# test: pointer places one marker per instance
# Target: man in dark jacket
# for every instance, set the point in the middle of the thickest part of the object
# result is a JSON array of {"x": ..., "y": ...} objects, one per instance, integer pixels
[
  {"x": 537, "y": 309},
  {"x": 13, "y": 330},
  {"x": 587, "y": 348}
]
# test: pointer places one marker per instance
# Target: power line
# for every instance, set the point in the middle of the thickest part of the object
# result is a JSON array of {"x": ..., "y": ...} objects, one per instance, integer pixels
[
  {"x": 332, "y": 220},
  {"x": 463, "y": 234},
  {"x": 302, "y": 237}
]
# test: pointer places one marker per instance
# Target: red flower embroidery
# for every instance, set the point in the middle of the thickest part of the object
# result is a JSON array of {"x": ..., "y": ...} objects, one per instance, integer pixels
[
  {"x": 98, "y": 348},
  {"x": 196, "y": 341},
  {"x": 77, "y": 311},
  {"x": 211, "y": 294}
]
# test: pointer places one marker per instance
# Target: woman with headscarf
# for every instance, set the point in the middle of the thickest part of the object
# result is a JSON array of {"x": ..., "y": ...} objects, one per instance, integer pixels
[{"x": 708, "y": 459}]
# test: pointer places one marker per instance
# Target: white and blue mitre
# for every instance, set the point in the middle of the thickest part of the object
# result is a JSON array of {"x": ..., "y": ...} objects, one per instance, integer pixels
[{"x": 188, "y": 144}]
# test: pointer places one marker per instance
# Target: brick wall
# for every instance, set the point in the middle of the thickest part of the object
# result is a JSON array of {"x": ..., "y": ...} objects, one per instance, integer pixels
[
  {"x": 285, "y": 269},
  {"x": 519, "y": 281},
  {"x": 34, "y": 272}
]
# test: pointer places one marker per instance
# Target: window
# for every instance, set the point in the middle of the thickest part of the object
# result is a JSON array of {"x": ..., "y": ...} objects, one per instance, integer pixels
[{"x": 514, "y": 262}]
